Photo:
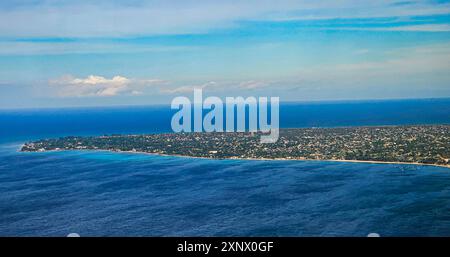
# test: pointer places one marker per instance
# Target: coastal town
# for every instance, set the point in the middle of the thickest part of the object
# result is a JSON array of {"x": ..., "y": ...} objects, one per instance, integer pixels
[{"x": 427, "y": 144}]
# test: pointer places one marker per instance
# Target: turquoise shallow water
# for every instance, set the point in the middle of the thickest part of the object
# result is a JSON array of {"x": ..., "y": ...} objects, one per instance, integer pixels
[
  {"x": 112, "y": 194},
  {"x": 102, "y": 193}
]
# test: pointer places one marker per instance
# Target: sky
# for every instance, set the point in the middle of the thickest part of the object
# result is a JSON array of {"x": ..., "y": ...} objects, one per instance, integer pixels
[{"x": 100, "y": 53}]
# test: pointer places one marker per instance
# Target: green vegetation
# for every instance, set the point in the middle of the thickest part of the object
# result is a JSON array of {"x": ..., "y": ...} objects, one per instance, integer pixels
[{"x": 409, "y": 144}]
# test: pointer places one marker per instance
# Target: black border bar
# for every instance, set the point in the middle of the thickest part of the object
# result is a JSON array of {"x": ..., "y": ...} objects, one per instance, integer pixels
[{"x": 225, "y": 246}]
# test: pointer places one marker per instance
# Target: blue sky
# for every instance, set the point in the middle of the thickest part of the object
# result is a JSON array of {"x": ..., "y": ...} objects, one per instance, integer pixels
[{"x": 88, "y": 53}]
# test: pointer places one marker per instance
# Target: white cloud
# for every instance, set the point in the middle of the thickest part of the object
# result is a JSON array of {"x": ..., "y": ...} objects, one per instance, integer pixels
[
  {"x": 189, "y": 89},
  {"x": 252, "y": 84},
  {"x": 412, "y": 28},
  {"x": 94, "y": 85},
  {"x": 219, "y": 86},
  {"x": 50, "y": 48},
  {"x": 422, "y": 28},
  {"x": 324, "y": 10},
  {"x": 69, "y": 86},
  {"x": 97, "y": 80},
  {"x": 116, "y": 18}
]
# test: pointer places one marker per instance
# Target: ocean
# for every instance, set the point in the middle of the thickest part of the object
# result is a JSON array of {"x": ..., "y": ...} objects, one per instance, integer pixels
[{"x": 124, "y": 194}]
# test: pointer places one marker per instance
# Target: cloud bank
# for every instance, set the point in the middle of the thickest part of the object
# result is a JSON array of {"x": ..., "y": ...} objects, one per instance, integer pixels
[
  {"x": 69, "y": 86},
  {"x": 155, "y": 17}
]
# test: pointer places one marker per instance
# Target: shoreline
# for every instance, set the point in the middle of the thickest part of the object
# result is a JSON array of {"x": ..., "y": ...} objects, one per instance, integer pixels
[
  {"x": 286, "y": 159},
  {"x": 249, "y": 159}
]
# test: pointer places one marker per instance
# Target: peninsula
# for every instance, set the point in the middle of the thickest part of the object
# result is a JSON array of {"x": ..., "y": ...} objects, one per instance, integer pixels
[{"x": 427, "y": 144}]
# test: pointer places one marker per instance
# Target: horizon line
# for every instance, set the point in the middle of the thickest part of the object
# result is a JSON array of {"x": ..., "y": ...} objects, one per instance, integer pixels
[{"x": 168, "y": 104}]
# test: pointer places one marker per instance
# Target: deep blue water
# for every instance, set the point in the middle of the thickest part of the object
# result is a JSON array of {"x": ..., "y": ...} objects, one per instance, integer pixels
[
  {"x": 26, "y": 124},
  {"x": 111, "y": 194}
]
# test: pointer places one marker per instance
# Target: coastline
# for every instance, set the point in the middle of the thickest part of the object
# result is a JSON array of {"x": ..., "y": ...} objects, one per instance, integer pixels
[
  {"x": 250, "y": 159},
  {"x": 285, "y": 159}
]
